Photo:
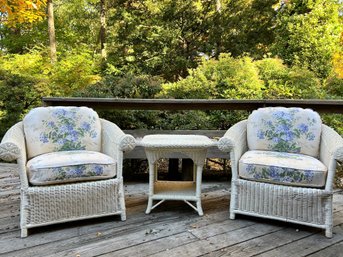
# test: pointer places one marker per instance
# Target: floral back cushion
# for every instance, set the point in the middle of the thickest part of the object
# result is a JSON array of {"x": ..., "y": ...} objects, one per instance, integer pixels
[
  {"x": 52, "y": 129},
  {"x": 291, "y": 130}
]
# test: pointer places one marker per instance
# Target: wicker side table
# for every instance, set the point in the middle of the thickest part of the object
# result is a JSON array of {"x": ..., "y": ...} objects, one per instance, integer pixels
[{"x": 165, "y": 146}]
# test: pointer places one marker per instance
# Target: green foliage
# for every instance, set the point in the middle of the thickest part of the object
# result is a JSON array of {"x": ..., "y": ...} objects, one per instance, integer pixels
[
  {"x": 244, "y": 26},
  {"x": 307, "y": 33},
  {"x": 189, "y": 120},
  {"x": 131, "y": 86},
  {"x": 244, "y": 78},
  {"x": 227, "y": 77},
  {"x": 34, "y": 64},
  {"x": 18, "y": 95},
  {"x": 123, "y": 86},
  {"x": 335, "y": 121},
  {"x": 26, "y": 78},
  {"x": 19, "y": 40},
  {"x": 165, "y": 37},
  {"x": 75, "y": 70},
  {"x": 160, "y": 38},
  {"x": 334, "y": 87},
  {"x": 283, "y": 82}
]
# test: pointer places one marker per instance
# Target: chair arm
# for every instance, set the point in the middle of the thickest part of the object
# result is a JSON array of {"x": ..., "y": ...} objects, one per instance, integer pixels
[
  {"x": 331, "y": 146},
  {"x": 9, "y": 151},
  {"x": 235, "y": 142},
  {"x": 235, "y": 137},
  {"x": 12, "y": 146},
  {"x": 114, "y": 137},
  {"x": 331, "y": 150}
]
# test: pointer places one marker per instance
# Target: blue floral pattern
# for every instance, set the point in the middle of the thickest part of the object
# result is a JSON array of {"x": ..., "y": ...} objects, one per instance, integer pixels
[
  {"x": 77, "y": 171},
  {"x": 281, "y": 174},
  {"x": 291, "y": 130},
  {"x": 70, "y": 166},
  {"x": 65, "y": 130},
  {"x": 280, "y": 167},
  {"x": 282, "y": 133}
]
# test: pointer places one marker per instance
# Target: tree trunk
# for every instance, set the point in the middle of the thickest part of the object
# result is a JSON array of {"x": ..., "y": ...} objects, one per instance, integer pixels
[
  {"x": 218, "y": 6},
  {"x": 103, "y": 29},
  {"x": 218, "y": 29},
  {"x": 51, "y": 30}
]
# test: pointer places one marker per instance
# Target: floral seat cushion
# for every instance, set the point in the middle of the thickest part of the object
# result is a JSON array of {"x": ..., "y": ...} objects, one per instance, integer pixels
[
  {"x": 51, "y": 129},
  {"x": 292, "y": 130},
  {"x": 282, "y": 168},
  {"x": 70, "y": 166}
]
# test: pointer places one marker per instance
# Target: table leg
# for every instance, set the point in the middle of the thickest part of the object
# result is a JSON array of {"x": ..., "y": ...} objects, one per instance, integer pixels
[
  {"x": 151, "y": 186},
  {"x": 198, "y": 189}
]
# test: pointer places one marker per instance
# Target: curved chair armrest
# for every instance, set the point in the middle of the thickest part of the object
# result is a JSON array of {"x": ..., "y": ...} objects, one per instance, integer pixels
[
  {"x": 9, "y": 152},
  {"x": 331, "y": 150},
  {"x": 234, "y": 137},
  {"x": 235, "y": 142},
  {"x": 331, "y": 145},
  {"x": 114, "y": 137},
  {"x": 13, "y": 148}
]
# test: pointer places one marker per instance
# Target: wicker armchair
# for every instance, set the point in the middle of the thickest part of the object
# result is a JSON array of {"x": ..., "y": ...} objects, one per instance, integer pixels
[
  {"x": 70, "y": 165},
  {"x": 283, "y": 164}
]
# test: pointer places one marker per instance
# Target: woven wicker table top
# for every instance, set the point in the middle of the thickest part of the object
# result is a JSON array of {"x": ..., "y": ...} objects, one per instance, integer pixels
[{"x": 176, "y": 141}]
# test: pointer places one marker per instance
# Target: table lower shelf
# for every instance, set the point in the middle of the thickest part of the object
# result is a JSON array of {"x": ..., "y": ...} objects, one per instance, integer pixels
[{"x": 175, "y": 190}]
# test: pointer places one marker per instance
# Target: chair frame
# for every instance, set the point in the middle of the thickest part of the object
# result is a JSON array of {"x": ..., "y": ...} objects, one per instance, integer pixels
[
  {"x": 300, "y": 205},
  {"x": 45, "y": 205}
]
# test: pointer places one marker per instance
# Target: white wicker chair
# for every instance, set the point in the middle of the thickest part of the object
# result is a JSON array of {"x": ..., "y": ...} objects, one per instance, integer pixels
[
  {"x": 68, "y": 194},
  {"x": 277, "y": 191}
]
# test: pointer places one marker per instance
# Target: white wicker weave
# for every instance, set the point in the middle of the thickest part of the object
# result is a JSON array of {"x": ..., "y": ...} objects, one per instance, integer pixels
[
  {"x": 44, "y": 205},
  {"x": 164, "y": 146},
  {"x": 306, "y": 206}
]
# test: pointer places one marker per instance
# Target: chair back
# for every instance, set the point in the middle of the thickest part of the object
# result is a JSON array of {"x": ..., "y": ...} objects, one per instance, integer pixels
[
  {"x": 52, "y": 129},
  {"x": 292, "y": 130}
]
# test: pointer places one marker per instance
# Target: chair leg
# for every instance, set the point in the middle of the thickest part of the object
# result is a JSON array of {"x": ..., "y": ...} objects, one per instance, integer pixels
[
  {"x": 328, "y": 217},
  {"x": 122, "y": 200},
  {"x": 328, "y": 232},
  {"x": 123, "y": 215},
  {"x": 233, "y": 200},
  {"x": 23, "y": 232}
]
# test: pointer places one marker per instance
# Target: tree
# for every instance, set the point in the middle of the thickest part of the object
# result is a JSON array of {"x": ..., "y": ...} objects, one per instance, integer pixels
[
  {"x": 307, "y": 33},
  {"x": 16, "y": 12},
  {"x": 227, "y": 77},
  {"x": 338, "y": 59},
  {"x": 243, "y": 26},
  {"x": 51, "y": 31},
  {"x": 103, "y": 29}
]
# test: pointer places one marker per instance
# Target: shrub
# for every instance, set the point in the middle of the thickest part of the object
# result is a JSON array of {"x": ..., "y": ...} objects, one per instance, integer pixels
[
  {"x": 74, "y": 71},
  {"x": 283, "y": 82},
  {"x": 224, "y": 78},
  {"x": 18, "y": 95}
]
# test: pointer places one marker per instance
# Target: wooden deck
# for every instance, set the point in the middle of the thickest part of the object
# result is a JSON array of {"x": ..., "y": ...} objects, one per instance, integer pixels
[{"x": 172, "y": 229}]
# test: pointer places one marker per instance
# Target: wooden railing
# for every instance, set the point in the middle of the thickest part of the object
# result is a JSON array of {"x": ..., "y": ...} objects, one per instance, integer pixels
[{"x": 323, "y": 106}]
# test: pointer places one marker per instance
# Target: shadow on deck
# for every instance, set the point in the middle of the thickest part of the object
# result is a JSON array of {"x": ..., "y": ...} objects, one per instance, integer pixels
[{"x": 172, "y": 229}]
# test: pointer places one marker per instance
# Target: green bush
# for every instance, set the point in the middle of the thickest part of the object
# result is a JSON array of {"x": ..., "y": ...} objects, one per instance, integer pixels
[
  {"x": 74, "y": 71},
  {"x": 227, "y": 77},
  {"x": 26, "y": 78},
  {"x": 334, "y": 87},
  {"x": 18, "y": 95},
  {"x": 283, "y": 82},
  {"x": 126, "y": 86}
]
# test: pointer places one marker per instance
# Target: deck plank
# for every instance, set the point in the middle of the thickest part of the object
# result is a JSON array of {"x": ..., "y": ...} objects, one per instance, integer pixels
[
  {"x": 334, "y": 250},
  {"x": 172, "y": 229}
]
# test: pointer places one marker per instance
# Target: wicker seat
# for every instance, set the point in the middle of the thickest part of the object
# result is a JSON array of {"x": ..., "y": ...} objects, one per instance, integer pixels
[
  {"x": 283, "y": 164},
  {"x": 70, "y": 165}
]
